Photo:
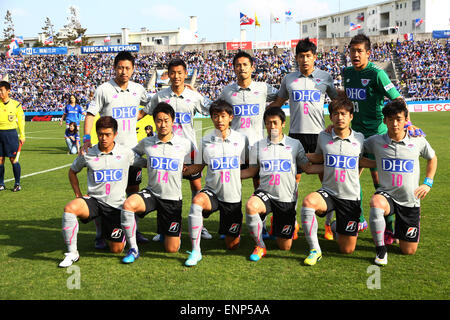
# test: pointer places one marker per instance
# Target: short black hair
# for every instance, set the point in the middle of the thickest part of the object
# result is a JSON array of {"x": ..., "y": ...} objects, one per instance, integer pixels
[
  {"x": 176, "y": 62},
  {"x": 164, "y": 107},
  {"x": 220, "y": 106},
  {"x": 361, "y": 38},
  {"x": 106, "y": 122},
  {"x": 395, "y": 107},
  {"x": 243, "y": 54},
  {"x": 124, "y": 55},
  {"x": 341, "y": 102},
  {"x": 275, "y": 111},
  {"x": 5, "y": 84},
  {"x": 305, "y": 45}
]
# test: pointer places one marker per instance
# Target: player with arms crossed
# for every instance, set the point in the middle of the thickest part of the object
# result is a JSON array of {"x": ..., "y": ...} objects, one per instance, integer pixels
[
  {"x": 11, "y": 118},
  {"x": 367, "y": 85},
  {"x": 276, "y": 159},
  {"x": 397, "y": 157},
  {"x": 166, "y": 154},
  {"x": 107, "y": 166},
  {"x": 186, "y": 103},
  {"x": 120, "y": 98},
  {"x": 340, "y": 152},
  {"x": 224, "y": 150}
]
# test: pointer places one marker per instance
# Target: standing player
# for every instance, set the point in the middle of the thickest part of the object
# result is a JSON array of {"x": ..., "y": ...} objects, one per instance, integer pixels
[
  {"x": 367, "y": 85},
  {"x": 166, "y": 153},
  {"x": 224, "y": 150},
  {"x": 397, "y": 156},
  {"x": 340, "y": 151},
  {"x": 107, "y": 175},
  {"x": 276, "y": 158},
  {"x": 120, "y": 98},
  {"x": 186, "y": 103},
  {"x": 11, "y": 118},
  {"x": 305, "y": 89},
  {"x": 249, "y": 99},
  {"x": 72, "y": 113}
]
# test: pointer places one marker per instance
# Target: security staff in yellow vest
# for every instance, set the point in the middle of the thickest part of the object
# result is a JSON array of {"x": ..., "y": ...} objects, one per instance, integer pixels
[{"x": 11, "y": 118}]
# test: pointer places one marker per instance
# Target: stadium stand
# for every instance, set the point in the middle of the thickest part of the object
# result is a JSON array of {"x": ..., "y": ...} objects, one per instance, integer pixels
[{"x": 419, "y": 69}]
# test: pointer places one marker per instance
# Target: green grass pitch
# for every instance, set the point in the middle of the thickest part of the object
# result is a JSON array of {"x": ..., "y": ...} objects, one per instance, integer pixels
[{"x": 31, "y": 244}]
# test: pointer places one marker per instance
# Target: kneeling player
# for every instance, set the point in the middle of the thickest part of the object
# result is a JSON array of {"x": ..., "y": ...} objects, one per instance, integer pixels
[
  {"x": 166, "y": 153},
  {"x": 107, "y": 164},
  {"x": 276, "y": 158},
  {"x": 340, "y": 150},
  {"x": 224, "y": 151},
  {"x": 397, "y": 157}
]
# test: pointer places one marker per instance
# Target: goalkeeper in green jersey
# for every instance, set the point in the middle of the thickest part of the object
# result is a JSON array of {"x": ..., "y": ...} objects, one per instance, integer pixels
[{"x": 366, "y": 85}]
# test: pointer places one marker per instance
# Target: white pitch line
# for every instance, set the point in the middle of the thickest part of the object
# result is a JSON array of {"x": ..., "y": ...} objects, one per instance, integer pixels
[
  {"x": 39, "y": 172},
  {"x": 64, "y": 166}
]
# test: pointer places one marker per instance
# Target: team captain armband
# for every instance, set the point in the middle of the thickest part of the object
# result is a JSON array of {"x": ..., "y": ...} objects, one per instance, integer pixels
[
  {"x": 427, "y": 181},
  {"x": 86, "y": 137}
]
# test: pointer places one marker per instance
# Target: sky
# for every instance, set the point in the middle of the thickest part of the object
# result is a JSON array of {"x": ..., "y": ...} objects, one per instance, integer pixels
[{"x": 217, "y": 20}]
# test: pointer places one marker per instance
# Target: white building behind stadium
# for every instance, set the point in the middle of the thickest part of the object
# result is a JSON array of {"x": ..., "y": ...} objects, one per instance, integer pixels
[{"x": 384, "y": 18}]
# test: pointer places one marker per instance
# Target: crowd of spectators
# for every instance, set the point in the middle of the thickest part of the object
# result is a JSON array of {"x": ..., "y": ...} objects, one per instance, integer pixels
[{"x": 44, "y": 83}]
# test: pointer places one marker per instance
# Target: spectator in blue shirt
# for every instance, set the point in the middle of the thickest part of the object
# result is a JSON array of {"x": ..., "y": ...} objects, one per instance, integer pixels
[
  {"x": 72, "y": 138},
  {"x": 72, "y": 112}
]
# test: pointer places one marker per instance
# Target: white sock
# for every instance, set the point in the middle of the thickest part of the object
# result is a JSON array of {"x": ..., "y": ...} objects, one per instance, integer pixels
[
  {"x": 310, "y": 226},
  {"x": 195, "y": 221},
  {"x": 70, "y": 230}
]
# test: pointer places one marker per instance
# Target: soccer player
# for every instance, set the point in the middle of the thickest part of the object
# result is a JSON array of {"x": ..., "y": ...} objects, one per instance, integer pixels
[
  {"x": 107, "y": 166},
  {"x": 11, "y": 118},
  {"x": 166, "y": 153},
  {"x": 305, "y": 89},
  {"x": 249, "y": 99},
  {"x": 397, "y": 157},
  {"x": 276, "y": 158},
  {"x": 340, "y": 151},
  {"x": 367, "y": 85},
  {"x": 186, "y": 103},
  {"x": 72, "y": 112},
  {"x": 120, "y": 98},
  {"x": 224, "y": 150}
]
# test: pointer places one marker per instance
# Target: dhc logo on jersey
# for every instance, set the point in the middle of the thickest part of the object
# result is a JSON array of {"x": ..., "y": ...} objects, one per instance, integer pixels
[
  {"x": 340, "y": 161},
  {"x": 397, "y": 165},
  {"x": 222, "y": 163},
  {"x": 245, "y": 110},
  {"x": 108, "y": 175},
  {"x": 161, "y": 163},
  {"x": 182, "y": 117},
  {"x": 356, "y": 93},
  {"x": 276, "y": 165},
  {"x": 124, "y": 112},
  {"x": 306, "y": 95}
]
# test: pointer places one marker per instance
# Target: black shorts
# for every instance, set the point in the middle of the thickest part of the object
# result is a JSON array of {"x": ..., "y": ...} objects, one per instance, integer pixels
[
  {"x": 230, "y": 214},
  {"x": 347, "y": 213},
  {"x": 9, "y": 143},
  {"x": 407, "y": 220},
  {"x": 168, "y": 213},
  {"x": 308, "y": 140},
  {"x": 283, "y": 214},
  {"x": 134, "y": 176},
  {"x": 111, "y": 225},
  {"x": 194, "y": 176}
]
